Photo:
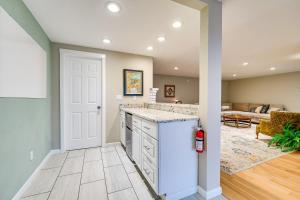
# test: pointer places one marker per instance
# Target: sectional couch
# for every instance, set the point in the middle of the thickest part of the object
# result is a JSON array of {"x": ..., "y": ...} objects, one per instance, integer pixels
[{"x": 246, "y": 108}]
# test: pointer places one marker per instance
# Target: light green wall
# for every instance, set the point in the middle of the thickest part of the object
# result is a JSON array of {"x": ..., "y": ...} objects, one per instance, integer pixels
[{"x": 24, "y": 123}]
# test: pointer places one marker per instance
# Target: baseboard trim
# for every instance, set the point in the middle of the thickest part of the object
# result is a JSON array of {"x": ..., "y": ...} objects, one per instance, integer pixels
[
  {"x": 182, "y": 194},
  {"x": 211, "y": 193},
  {"x": 25, "y": 186}
]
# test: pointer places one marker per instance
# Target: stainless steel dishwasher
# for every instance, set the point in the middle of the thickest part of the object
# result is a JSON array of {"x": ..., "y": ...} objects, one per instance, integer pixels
[{"x": 128, "y": 136}]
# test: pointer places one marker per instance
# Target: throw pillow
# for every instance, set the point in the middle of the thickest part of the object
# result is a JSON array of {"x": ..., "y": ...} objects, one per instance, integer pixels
[
  {"x": 258, "y": 109},
  {"x": 272, "y": 109},
  {"x": 225, "y": 107},
  {"x": 265, "y": 108}
]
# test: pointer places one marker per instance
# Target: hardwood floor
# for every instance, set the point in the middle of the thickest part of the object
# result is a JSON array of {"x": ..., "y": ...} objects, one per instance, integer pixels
[{"x": 276, "y": 179}]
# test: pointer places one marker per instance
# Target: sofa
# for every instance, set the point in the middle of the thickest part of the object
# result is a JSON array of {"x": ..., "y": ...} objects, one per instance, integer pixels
[
  {"x": 276, "y": 123},
  {"x": 247, "y": 109}
]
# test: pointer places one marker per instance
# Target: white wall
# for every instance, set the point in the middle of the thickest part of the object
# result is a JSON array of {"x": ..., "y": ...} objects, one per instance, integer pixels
[
  {"x": 23, "y": 63},
  {"x": 115, "y": 63},
  {"x": 278, "y": 89}
]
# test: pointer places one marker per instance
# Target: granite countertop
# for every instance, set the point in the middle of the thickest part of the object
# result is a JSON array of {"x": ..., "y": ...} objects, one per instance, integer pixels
[{"x": 159, "y": 115}]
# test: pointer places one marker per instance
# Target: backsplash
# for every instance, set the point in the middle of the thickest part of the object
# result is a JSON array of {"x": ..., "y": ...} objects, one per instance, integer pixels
[
  {"x": 188, "y": 109},
  {"x": 133, "y": 105}
]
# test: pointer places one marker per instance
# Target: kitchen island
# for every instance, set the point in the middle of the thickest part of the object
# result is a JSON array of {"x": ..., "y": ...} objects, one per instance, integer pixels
[{"x": 161, "y": 144}]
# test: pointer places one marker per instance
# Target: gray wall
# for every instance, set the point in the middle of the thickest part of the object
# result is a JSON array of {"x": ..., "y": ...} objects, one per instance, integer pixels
[
  {"x": 115, "y": 63},
  {"x": 186, "y": 88},
  {"x": 24, "y": 122},
  {"x": 225, "y": 91},
  {"x": 278, "y": 89}
]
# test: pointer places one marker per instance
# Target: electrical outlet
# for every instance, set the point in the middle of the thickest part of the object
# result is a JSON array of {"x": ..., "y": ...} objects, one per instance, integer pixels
[{"x": 31, "y": 155}]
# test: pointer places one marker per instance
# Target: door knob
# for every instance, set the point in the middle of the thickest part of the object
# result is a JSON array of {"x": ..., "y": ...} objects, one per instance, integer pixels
[{"x": 98, "y": 107}]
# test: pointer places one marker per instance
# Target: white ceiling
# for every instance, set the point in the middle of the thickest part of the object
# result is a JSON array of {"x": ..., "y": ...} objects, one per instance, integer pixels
[
  {"x": 140, "y": 22},
  {"x": 263, "y": 33}
]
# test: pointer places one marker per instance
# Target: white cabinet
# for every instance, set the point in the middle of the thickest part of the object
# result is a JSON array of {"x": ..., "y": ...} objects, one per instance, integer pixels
[
  {"x": 136, "y": 140},
  {"x": 149, "y": 153},
  {"x": 136, "y": 146},
  {"x": 150, "y": 128},
  {"x": 122, "y": 128},
  {"x": 164, "y": 153}
]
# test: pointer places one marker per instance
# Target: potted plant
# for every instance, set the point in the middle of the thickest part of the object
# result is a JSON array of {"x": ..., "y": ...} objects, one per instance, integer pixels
[{"x": 288, "y": 139}]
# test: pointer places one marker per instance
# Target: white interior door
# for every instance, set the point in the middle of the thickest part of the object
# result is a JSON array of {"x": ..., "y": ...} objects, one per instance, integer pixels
[{"x": 82, "y": 102}]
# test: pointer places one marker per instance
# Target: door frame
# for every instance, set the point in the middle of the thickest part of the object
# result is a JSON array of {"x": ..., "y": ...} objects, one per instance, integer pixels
[{"x": 102, "y": 57}]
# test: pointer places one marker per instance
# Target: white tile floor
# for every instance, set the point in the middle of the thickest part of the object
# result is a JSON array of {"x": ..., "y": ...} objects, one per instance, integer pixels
[{"x": 90, "y": 174}]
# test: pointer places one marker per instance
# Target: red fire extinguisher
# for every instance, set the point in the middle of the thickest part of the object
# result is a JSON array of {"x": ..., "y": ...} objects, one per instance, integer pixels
[{"x": 200, "y": 140}]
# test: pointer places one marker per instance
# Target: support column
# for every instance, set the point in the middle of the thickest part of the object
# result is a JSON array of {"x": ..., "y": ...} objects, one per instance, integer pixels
[{"x": 210, "y": 97}]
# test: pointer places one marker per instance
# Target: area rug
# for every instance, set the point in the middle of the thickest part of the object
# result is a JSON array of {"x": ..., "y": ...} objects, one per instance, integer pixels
[{"x": 241, "y": 150}]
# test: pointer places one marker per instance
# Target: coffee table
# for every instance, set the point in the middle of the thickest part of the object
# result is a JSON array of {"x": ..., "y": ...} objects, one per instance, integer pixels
[{"x": 238, "y": 121}]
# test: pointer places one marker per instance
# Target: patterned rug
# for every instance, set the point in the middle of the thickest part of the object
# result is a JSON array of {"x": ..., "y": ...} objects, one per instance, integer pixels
[{"x": 241, "y": 150}]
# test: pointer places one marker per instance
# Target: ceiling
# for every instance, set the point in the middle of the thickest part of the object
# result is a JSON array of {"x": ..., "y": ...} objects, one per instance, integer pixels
[
  {"x": 140, "y": 22},
  {"x": 263, "y": 33}
]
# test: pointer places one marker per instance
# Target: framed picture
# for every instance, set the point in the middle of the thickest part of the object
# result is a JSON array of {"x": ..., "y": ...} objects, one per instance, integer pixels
[
  {"x": 169, "y": 90},
  {"x": 133, "y": 82}
]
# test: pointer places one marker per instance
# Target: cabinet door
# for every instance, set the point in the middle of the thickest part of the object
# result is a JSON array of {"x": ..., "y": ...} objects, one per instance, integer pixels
[
  {"x": 136, "y": 147},
  {"x": 122, "y": 130}
]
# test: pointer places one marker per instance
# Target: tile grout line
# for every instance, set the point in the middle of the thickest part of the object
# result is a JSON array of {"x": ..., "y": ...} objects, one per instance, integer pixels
[
  {"x": 60, "y": 167},
  {"x": 113, "y": 165},
  {"x": 104, "y": 173},
  {"x": 143, "y": 181},
  {"x": 92, "y": 181},
  {"x": 40, "y": 192},
  {"x": 81, "y": 174},
  {"x": 127, "y": 175},
  {"x": 58, "y": 175},
  {"x": 121, "y": 190},
  {"x": 70, "y": 174},
  {"x": 35, "y": 195},
  {"x": 94, "y": 161}
]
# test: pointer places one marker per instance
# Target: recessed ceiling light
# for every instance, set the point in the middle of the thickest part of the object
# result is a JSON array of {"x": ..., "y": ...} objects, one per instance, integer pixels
[
  {"x": 161, "y": 39},
  {"x": 177, "y": 24},
  {"x": 150, "y": 48},
  {"x": 113, "y": 7},
  {"x": 106, "y": 41},
  {"x": 272, "y": 68},
  {"x": 176, "y": 68},
  {"x": 245, "y": 64},
  {"x": 234, "y": 75}
]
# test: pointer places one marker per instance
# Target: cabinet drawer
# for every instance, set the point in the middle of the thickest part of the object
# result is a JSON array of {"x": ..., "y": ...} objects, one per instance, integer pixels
[
  {"x": 150, "y": 128},
  {"x": 137, "y": 130},
  {"x": 150, "y": 148},
  {"x": 150, "y": 173},
  {"x": 137, "y": 122}
]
